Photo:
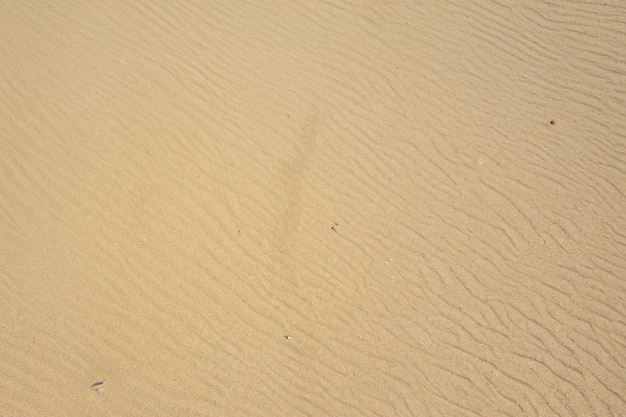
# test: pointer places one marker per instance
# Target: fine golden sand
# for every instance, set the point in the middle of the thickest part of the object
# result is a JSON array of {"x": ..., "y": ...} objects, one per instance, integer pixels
[{"x": 313, "y": 208}]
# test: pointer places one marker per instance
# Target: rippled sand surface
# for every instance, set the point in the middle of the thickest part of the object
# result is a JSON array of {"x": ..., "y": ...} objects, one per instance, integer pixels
[{"x": 313, "y": 208}]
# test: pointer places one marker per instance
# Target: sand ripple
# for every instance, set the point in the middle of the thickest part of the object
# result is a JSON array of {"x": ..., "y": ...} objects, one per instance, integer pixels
[{"x": 428, "y": 200}]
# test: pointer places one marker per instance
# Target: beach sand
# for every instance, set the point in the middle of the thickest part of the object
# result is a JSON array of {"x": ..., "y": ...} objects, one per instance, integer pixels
[{"x": 303, "y": 208}]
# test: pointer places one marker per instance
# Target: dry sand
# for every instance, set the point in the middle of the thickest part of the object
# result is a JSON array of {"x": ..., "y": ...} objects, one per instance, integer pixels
[{"x": 185, "y": 184}]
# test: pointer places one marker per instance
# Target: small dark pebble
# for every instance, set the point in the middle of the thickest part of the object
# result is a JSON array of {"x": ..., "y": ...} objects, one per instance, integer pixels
[
  {"x": 552, "y": 122},
  {"x": 95, "y": 384}
]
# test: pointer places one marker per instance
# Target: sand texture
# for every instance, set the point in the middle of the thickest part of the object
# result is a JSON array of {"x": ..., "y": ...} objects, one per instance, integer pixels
[{"x": 313, "y": 208}]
